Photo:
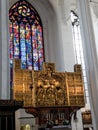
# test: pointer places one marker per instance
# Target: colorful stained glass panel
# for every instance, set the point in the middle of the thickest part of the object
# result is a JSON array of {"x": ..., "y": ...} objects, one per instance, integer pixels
[{"x": 26, "y": 36}]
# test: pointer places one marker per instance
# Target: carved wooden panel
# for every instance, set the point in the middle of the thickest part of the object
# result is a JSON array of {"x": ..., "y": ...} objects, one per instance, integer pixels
[
  {"x": 87, "y": 117},
  {"x": 48, "y": 88}
]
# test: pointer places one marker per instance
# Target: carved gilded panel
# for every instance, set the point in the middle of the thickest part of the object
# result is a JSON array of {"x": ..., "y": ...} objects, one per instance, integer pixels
[{"x": 48, "y": 88}]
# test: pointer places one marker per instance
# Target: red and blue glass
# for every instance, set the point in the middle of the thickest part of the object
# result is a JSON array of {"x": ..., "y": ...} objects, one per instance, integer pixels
[{"x": 26, "y": 36}]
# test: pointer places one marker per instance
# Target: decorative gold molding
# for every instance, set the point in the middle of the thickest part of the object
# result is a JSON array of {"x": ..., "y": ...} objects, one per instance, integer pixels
[
  {"x": 87, "y": 117},
  {"x": 48, "y": 88}
]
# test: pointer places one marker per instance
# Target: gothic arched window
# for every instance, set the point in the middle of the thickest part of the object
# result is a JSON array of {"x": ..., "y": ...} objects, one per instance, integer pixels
[
  {"x": 26, "y": 36},
  {"x": 77, "y": 41}
]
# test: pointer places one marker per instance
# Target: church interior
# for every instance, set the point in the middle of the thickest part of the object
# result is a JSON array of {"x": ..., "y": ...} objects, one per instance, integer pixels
[{"x": 48, "y": 65}]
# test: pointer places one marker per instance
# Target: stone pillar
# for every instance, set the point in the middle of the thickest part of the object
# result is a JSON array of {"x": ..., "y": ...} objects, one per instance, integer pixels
[
  {"x": 4, "y": 51},
  {"x": 90, "y": 56}
]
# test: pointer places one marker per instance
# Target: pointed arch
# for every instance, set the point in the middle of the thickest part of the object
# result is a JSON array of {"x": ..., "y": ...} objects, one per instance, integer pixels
[{"x": 26, "y": 35}]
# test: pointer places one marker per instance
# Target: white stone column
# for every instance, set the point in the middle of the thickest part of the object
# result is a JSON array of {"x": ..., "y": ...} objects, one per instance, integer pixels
[
  {"x": 90, "y": 56},
  {"x": 4, "y": 50}
]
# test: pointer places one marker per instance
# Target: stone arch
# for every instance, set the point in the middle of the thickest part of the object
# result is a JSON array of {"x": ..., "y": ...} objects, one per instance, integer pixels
[{"x": 48, "y": 17}]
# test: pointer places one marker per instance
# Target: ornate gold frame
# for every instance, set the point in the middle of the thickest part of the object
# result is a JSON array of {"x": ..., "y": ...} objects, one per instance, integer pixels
[{"x": 48, "y": 88}]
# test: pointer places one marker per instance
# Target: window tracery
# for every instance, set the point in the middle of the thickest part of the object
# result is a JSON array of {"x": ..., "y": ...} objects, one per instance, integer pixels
[{"x": 26, "y": 36}]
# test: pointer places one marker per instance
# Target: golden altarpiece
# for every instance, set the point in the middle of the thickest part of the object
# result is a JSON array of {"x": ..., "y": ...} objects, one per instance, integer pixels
[{"x": 47, "y": 94}]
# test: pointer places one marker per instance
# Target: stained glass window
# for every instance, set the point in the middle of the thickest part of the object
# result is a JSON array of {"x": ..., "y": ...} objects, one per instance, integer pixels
[
  {"x": 77, "y": 41},
  {"x": 26, "y": 36}
]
